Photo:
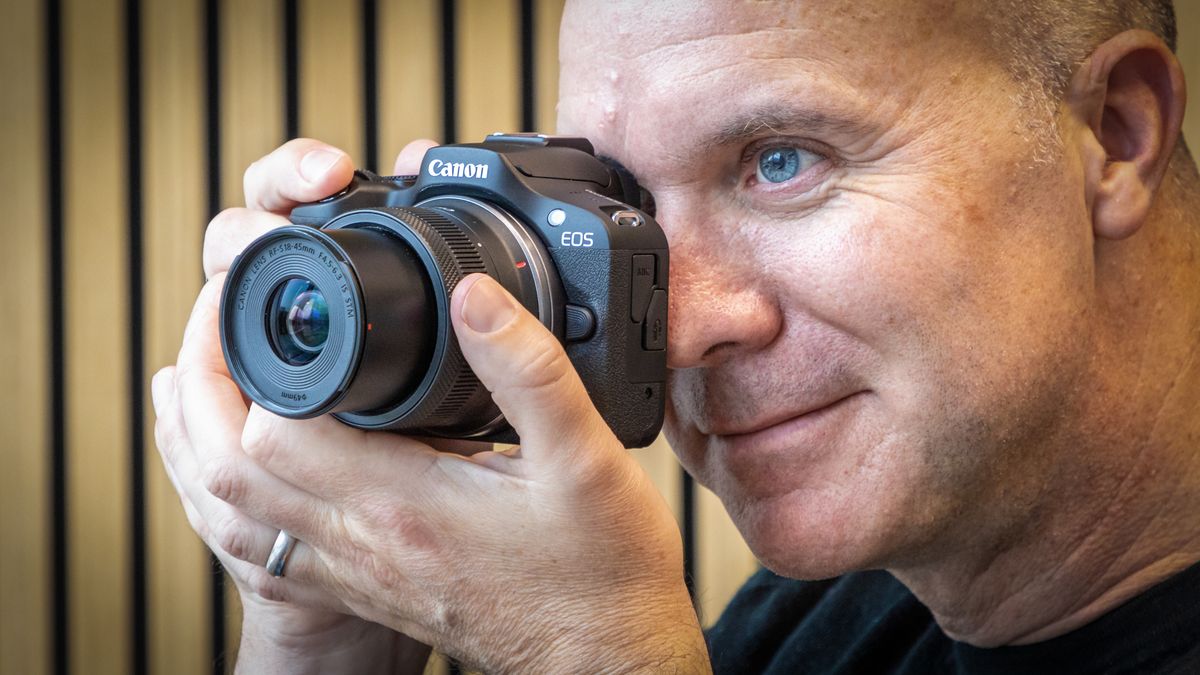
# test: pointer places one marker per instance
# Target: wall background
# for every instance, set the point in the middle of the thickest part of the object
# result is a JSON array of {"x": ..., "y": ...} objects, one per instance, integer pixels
[{"x": 125, "y": 124}]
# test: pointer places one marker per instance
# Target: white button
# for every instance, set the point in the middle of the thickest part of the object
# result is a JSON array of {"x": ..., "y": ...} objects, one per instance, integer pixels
[{"x": 556, "y": 217}]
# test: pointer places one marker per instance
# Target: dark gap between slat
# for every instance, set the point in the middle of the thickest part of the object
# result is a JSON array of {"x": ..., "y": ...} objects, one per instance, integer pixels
[
  {"x": 370, "y": 84},
  {"x": 528, "y": 67},
  {"x": 60, "y": 641},
  {"x": 212, "y": 139},
  {"x": 136, "y": 346},
  {"x": 688, "y": 497},
  {"x": 291, "y": 68},
  {"x": 449, "y": 74}
]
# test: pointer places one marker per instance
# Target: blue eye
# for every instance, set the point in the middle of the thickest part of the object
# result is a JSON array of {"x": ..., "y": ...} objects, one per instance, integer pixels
[{"x": 781, "y": 164}]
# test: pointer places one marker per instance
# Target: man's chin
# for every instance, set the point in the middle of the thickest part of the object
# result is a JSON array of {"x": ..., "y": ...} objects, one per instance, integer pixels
[{"x": 795, "y": 538}]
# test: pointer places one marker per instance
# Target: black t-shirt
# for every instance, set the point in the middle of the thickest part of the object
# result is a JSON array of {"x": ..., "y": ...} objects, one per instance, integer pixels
[{"x": 868, "y": 622}]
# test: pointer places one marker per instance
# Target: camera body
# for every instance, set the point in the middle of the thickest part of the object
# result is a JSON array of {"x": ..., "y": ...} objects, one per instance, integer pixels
[{"x": 540, "y": 214}]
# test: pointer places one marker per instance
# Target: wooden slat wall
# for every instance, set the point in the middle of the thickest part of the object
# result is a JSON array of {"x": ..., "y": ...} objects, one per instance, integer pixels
[
  {"x": 173, "y": 77},
  {"x": 25, "y": 576},
  {"x": 199, "y": 128},
  {"x": 488, "y": 65}
]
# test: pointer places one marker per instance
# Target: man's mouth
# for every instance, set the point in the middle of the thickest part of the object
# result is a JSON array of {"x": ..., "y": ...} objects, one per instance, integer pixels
[{"x": 795, "y": 425}]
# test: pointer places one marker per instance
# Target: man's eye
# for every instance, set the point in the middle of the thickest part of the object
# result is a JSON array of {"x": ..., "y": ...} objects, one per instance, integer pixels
[{"x": 781, "y": 164}]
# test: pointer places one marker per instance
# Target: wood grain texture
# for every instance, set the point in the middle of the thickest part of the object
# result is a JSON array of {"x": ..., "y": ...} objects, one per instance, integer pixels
[
  {"x": 410, "y": 104},
  {"x": 330, "y": 84},
  {"x": 488, "y": 68},
  {"x": 174, "y": 215},
  {"x": 252, "y": 125},
  {"x": 24, "y": 392},
  {"x": 547, "y": 17},
  {"x": 723, "y": 560},
  {"x": 96, "y": 252},
  {"x": 251, "y": 89}
]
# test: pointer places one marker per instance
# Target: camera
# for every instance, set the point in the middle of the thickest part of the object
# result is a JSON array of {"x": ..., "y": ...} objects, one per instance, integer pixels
[{"x": 347, "y": 310}]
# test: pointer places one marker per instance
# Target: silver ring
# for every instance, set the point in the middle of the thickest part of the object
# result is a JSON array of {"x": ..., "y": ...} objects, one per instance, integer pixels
[{"x": 284, "y": 543}]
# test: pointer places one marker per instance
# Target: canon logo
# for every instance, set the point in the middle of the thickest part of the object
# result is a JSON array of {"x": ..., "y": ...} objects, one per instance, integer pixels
[{"x": 457, "y": 169}]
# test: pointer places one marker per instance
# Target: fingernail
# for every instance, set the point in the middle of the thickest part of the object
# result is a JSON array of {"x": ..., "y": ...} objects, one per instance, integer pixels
[
  {"x": 487, "y": 307},
  {"x": 317, "y": 163},
  {"x": 160, "y": 388}
]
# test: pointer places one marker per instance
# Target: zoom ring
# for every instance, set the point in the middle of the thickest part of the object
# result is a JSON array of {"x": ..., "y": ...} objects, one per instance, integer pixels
[{"x": 455, "y": 386}]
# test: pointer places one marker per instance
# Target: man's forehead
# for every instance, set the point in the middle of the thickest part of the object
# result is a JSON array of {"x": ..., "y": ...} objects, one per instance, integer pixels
[
  {"x": 691, "y": 65},
  {"x": 638, "y": 27}
]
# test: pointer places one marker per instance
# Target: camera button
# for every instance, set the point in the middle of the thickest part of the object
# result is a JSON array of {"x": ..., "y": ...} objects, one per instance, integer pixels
[
  {"x": 654, "y": 335},
  {"x": 641, "y": 285},
  {"x": 581, "y": 323}
]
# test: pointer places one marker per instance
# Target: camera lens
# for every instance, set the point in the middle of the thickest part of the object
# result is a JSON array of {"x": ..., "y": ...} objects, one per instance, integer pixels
[
  {"x": 300, "y": 321},
  {"x": 354, "y": 319}
]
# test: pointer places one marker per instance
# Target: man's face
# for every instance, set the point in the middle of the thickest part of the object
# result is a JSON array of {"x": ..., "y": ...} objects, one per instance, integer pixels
[{"x": 879, "y": 299}]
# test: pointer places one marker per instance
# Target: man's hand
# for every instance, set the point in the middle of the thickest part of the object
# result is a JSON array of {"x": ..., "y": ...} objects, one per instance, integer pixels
[
  {"x": 559, "y": 555},
  {"x": 310, "y": 629}
]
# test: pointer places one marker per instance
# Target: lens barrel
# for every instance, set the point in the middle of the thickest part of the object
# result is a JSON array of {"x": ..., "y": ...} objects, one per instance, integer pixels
[
  {"x": 297, "y": 360},
  {"x": 353, "y": 318}
]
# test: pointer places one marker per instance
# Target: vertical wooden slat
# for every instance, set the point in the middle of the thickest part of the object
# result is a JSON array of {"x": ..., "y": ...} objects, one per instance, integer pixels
[
  {"x": 251, "y": 88},
  {"x": 330, "y": 93},
  {"x": 724, "y": 561},
  {"x": 174, "y": 208},
  {"x": 96, "y": 340},
  {"x": 252, "y": 123},
  {"x": 410, "y": 105},
  {"x": 547, "y": 17},
  {"x": 488, "y": 67},
  {"x": 24, "y": 396}
]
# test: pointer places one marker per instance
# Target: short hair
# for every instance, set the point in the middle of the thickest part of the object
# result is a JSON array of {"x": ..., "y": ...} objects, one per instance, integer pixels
[{"x": 1042, "y": 42}]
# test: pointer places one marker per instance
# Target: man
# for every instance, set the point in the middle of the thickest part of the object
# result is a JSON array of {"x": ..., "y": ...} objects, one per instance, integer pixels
[{"x": 934, "y": 311}]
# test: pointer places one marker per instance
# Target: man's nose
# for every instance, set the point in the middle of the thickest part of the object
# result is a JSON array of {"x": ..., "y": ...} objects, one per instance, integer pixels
[{"x": 720, "y": 302}]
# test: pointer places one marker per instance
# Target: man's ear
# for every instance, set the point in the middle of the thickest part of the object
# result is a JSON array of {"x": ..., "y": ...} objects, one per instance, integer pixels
[{"x": 1130, "y": 95}]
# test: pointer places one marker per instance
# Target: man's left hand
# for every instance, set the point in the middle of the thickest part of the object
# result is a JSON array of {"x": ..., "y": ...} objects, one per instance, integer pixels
[{"x": 558, "y": 555}]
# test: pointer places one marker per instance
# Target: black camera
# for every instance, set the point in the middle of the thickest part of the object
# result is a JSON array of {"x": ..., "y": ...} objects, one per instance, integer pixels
[{"x": 347, "y": 311}]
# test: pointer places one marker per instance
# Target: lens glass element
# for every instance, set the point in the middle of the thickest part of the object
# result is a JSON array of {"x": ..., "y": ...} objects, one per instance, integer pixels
[{"x": 298, "y": 321}]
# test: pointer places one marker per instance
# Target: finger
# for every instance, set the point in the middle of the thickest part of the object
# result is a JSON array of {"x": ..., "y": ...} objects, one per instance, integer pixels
[
  {"x": 213, "y": 414},
  {"x": 301, "y": 170},
  {"x": 332, "y": 460},
  {"x": 408, "y": 162},
  {"x": 229, "y": 533},
  {"x": 529, "y": 375},
  {"x": 230, "y": 232}
]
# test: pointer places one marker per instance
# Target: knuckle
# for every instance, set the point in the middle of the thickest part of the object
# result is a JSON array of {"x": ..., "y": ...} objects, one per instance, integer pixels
[
  {"x": 548, "y": 369},
  {"x": 250, "y": 179},
  {"x": 232, "y": 535},
  {"x": 221, "y": 223},
  {"x": 225, "y": 479},
  {"x": 260, "y": 439},
  {"x": 217, "y": 234},
  {"x": 265, "y": 586},
  {"x": 166, "y": 437}
]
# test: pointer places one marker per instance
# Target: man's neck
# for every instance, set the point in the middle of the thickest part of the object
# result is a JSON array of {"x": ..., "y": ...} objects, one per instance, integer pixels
[
  {"x": 1120, "y": 517},
  {"x": 1044, "y": 588}
]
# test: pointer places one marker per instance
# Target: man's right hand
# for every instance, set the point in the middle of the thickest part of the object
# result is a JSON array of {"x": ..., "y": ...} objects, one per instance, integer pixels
[{"x": 315, "y": 632}]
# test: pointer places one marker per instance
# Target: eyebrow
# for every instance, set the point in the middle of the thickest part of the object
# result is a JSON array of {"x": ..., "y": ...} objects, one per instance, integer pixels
[{"x": 754, "y": 122}]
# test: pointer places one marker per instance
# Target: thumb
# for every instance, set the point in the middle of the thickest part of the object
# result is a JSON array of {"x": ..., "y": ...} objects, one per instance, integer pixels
[{"x": 528, "y": 372}]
